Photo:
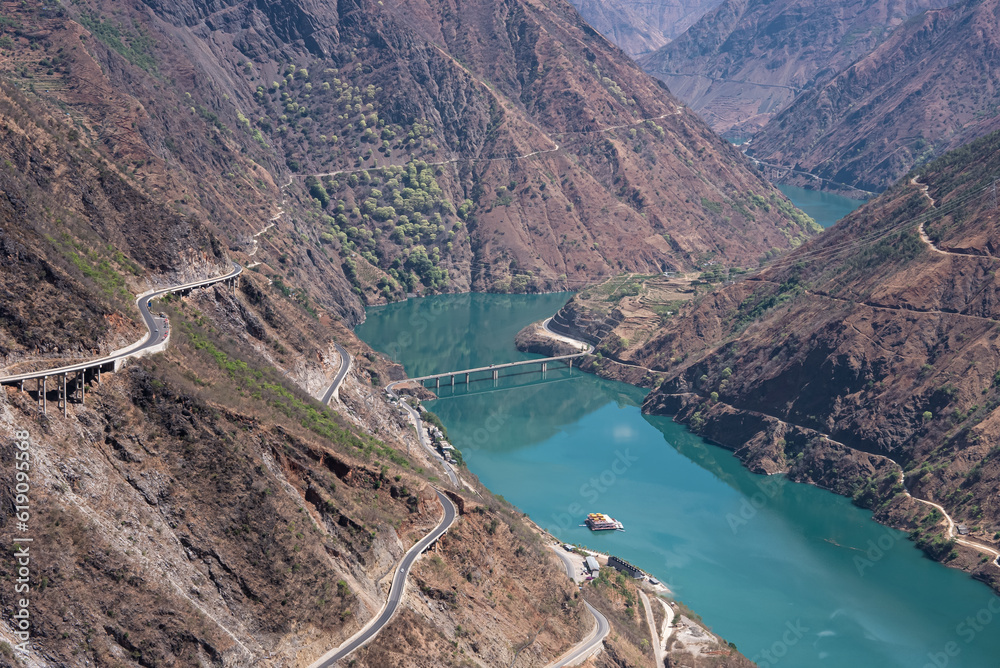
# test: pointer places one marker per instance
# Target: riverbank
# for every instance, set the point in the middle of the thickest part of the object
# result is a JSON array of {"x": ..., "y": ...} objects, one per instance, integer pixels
[{"x": 760, "y": 442}]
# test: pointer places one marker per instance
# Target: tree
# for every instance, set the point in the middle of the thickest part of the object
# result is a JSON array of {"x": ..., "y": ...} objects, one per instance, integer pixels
[{"x": 317, "y": 191}]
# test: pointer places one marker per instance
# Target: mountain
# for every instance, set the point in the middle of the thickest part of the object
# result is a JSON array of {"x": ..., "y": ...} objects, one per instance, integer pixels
[
  {"x": 747, "y": 60},
  {"x": 869, "y": 350},
  {"x": 543, "y": 158},
  {"x": 642, "y": 27},
  {"x": 930, "y": 87},
  {"x": 202, "y": 506}
]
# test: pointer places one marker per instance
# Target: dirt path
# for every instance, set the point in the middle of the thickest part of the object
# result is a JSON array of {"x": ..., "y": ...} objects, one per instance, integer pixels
[
  {"x": 654, "y": 636},
  {"x": 923, "y": 233},
  {"x": 668, "y": 621},
  {"x": 271, "y": 222},
  {"x": 951, "y": 533},
  {"x": 523, "y": 156},
  {"x": 926, "y": 238}
]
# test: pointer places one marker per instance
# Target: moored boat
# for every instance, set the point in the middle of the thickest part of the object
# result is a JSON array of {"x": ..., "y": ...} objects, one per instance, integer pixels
[{"x": 602, "y": 522}]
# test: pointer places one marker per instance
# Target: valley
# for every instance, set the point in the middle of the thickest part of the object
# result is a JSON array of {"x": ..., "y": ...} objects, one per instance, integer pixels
[
  {"x": 846, "y": 98},
  {"x": 233, "y": 232}
]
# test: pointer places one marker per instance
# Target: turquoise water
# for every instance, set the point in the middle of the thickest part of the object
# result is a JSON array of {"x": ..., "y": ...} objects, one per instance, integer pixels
[
  {"x": 825, "y": 208},
  {"x": 794, "y": 575}
]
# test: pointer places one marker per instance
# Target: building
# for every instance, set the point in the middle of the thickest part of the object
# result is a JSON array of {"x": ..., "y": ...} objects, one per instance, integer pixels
[
  {"x": 620, "y": 564},
  {"x": 591, "y": 565}
]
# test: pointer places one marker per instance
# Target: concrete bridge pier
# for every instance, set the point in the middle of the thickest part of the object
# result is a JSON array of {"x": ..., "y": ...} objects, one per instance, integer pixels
[
  {"x": 453, "y": 380},
  {"x": 437, "y": 383},
  {"x": 466, "y": 379},
  {"x": 65, "y": 398},
  {"x": 45, "y": 403},
  {"x": 545, "y": 367}
]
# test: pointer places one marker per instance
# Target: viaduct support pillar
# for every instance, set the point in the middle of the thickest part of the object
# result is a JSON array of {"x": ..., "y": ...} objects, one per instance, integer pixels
[
  {"x": 45, "y": 403},
  {"x": 466, "y": 379},
  {"x": 453, "y": 380},
  {"x": 65, "y": 398}
]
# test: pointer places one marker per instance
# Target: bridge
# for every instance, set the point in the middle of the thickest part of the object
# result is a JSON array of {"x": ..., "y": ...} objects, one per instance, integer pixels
[
  {"x": 465, "y": 375},
  {"x": 155, "y": 341}
]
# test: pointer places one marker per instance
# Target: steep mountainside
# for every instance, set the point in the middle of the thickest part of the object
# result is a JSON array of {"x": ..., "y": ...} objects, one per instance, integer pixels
[
  {"x": 201, "y": 507},
  {"x": 497, "y": 146},
  {"x": 642, "y": 27},
  {"x": 880, "y": 339},
  {"x": 933, "y": 85},
  {"x": 747, "y": 60}
]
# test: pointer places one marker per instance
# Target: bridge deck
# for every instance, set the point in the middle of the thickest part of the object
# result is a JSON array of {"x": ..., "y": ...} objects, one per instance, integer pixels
[
  {"x": 494, "y": 367},
  {"x": 149, "y": 320}
]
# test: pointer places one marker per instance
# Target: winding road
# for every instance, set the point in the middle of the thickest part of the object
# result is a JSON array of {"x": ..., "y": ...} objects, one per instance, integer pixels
[
  {"x": 582, "y": 650},
  {"x": 156, "y": 335},
  {"x": 582, "y": 345},
  {"x": 346, "y": 361},
  {"x": 418, "y": 423},
  {"x": 950, "y": 523},
  {"x": 396, "y": 589}
]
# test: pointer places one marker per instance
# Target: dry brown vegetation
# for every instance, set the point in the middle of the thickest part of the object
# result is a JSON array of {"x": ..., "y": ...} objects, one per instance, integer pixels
[{"x": 861, "y": 346}]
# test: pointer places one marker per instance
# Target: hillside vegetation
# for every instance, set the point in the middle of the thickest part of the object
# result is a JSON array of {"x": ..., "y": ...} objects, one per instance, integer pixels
[{"x": 429, "y": 148}]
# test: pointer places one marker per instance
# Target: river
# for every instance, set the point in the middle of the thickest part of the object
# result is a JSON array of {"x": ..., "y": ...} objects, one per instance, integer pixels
[
  {"x": 794, "y": 575},
  {"x": 825, "y": 208}
]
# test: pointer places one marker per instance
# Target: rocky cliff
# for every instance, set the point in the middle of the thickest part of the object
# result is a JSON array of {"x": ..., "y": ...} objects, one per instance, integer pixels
[
  {"x": 930, "y": 87},
  {"x": 747, "y": 60}
]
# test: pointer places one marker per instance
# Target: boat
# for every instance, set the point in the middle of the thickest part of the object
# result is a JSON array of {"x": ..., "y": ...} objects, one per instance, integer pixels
[{"x": 602, "y": 522}]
